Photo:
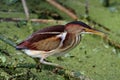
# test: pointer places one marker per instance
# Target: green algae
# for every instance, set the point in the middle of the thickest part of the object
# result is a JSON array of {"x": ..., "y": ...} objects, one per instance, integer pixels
[{"x": 93, "y": 57}]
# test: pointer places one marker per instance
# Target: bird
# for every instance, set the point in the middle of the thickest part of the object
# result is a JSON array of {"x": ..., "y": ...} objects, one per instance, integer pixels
[{"x": 55, "y": 40}]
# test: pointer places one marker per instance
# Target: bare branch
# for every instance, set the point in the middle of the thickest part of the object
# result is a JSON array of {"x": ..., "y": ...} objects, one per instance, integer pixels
[
  {"x": 60, "y": 7},
  {"x": 4, "y": 39},
  {"x": 34, "y": 20},
  {"x": 48, "y": 21},
  {"x": 25, "y": 9}
]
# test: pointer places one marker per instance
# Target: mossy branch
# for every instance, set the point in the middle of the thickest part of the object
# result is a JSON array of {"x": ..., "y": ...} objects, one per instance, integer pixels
[{"x": 7, "y": 41}]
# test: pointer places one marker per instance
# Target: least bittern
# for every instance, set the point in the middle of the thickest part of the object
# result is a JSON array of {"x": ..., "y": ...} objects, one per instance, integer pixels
[{"x": 55, "y": 40}]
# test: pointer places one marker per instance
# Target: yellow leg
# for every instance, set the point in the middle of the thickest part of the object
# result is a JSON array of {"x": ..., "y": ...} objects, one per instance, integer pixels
[{"x": 48, "y": 63}]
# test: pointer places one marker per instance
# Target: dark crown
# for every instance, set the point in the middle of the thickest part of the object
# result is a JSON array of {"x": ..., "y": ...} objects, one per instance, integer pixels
[{"x": 79, "y": 23}]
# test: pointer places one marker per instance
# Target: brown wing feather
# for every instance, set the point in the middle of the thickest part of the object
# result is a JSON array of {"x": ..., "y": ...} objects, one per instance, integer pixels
[
  {"x": 47, "y": 44},
  {"x": 44, "y": 39},
  {"x": 41, "y": 42},
  {"x": 41, "y": 36}
]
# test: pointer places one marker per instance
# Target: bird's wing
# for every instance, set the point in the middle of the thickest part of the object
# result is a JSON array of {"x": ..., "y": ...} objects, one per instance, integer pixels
[
  {"x": 53, "y": 29},
  {"x": 44, "y": 41}
]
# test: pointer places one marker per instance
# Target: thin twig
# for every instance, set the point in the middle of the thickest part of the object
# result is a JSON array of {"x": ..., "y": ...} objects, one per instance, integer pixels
[
  {"x": 25, "y": 9},
  {"x": 9, "y": 42},
  {"x": 65, "y": 10},
  {"x": 33, "y": 20},
  {"x": 48, "y": 21}
]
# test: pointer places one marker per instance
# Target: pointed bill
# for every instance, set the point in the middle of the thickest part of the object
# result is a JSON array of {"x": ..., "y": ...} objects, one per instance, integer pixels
[{"x": 96, "y": 32}]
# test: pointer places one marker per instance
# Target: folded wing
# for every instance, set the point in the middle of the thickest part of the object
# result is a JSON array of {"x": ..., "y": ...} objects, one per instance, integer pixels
[{"x": 43, "y": 40}]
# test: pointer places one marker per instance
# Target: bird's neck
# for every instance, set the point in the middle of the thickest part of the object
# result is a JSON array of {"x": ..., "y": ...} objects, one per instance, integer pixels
[{"x": 71, "y": 41}]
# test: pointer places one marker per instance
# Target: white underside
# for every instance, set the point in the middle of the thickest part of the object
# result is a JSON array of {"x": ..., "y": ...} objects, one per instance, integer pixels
[
  {"x": 40, "y": 54},
  {"x": 34, "y": 53}
]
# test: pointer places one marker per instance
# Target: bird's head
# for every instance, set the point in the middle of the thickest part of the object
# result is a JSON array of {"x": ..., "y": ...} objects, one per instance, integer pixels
[{"x": 79, "y": 27}]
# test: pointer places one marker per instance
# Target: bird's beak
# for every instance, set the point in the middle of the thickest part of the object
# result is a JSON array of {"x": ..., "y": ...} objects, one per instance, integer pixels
[{"x": 96, "y": 32}]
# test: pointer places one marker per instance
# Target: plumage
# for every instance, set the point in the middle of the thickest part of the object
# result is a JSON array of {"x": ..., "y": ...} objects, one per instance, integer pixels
[
  {"x": 46, "y": 35},
  {"x": 55, "y": 40}
]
